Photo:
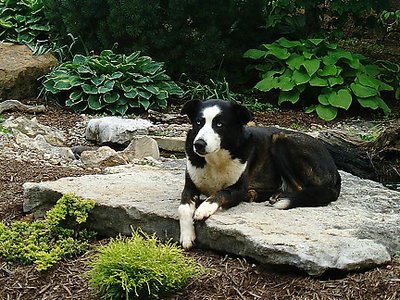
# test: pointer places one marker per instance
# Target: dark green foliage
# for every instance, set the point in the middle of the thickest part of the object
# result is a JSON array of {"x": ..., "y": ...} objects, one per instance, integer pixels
[
  {"x": 299, "y": 19},
  {"x": 319, "y": 75},
  {"x": 199, "y": 38},
  {"x": 390, "y": 73},
  {"x": 45, "y": 242},
  {"x": 112, "y": 82},
  {"x": 140, "y": 267},
  {"x": 23, "y": 21},
  {"x": 391, "y": 21}
]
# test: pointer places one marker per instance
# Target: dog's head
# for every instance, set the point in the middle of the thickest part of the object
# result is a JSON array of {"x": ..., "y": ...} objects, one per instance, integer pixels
[{"x": 215, "y": 123}]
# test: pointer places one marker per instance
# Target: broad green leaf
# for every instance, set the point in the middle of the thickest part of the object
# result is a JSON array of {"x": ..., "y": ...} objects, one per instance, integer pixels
[
  {"x": 295, "y": 61},
  {"x": 94, "y": 102},
  {"x": 152, "y": 89},
  {"x": 108, "y": 86},
  {"x": 290, "y": 96},
  {"x": 311, "y": 66},
  {"x": 76, "y": 96},
  {"x": 162, "y": 103},
  {"x": 144, "y": 94},
  {"x": 288, "y": 44},
  {"x": 341, "y": 99},
  {"x": 372, "y": 70},
  {"x": 329, "y": 60},
  {"x": 254, "y": 54},
  {"x": 63, "y": 85},
  {"x": 328, "y": 70},
  {"x": 132, "y": 94},
  {"x": 371, "y": 102},
  {"x": 97, "y": 80},
  {"x": 39, "y": 27},
  {"x": 363, "y": 91},
  {"x": 332, "y": 46},
  {"x": 127, "y": 88},
  {"x": 335, "y": 80},
  {"x": 318, "y": 81},
  {"x": 6, "y": 24},
  {"x": 386, "y": 110},
  {"x": 310, "y": 109},
  {"x": 134, "y": 103},
  {"x": 267, "y": 84},
  {"x": 116, "y": 75},
  {"x": 316, "y": 42},
  {"x": 85, "y": 70},
  {"x": 152, "y": 67},
  {"x": 384, "y": 87},
  {"x": 131, "y": 58},
  {"x": 106, "y": 53},
  {"x": 78, "y": 106},
  {"x": 162, "y": 95},
  {"x": 326, "y": 112},
  {"x": 89, "y": 89},
  {"x": 145, "y": 103},
  {"x": 300, "y": 77},
  {"x": 49, "y": 86},
  {"x": 111, "y": 97},
  {"x": 324, "y": 98},
  {"x": 121, "y": 109},
  {"x": 277, "y": 51},
  {"x": 141, "y": 79},
  {"x": 285, "y": 84}
]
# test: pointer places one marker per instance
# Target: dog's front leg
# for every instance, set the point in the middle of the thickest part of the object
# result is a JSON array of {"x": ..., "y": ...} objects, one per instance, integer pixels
[{"x": 190, "y": 195}]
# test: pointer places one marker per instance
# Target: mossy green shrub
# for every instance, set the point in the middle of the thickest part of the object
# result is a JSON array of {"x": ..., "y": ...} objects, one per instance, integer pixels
[
  {"x": 319, "y": 76},
  {"x": 140, "y": 267},
  {"x": 391, "y": 75},
  {"x": 44, "y": 242},
  {"x": 23, "y": 21},
  {"x": 199, "y": 38},
  {"x": 111, "y": 82}
]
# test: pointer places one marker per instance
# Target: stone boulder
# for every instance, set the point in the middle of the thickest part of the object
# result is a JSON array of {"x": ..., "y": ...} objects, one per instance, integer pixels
[
  {"x": 115, "y": 130},
  {"x": 141, "y": 147},
  {"x": 20, "y": 70},
  {"x": 102, "y": 157},
  {"x": 358, "y": 231}
]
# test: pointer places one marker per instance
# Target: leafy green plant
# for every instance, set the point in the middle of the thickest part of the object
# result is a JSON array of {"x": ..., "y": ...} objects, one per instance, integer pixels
[
  {"x": 319, "y": 75},
  {"x": 391, "y": 75},
  {"x": 213, "y": 90},
  {"x": 23, "y": 21},
  {"x": 140, "y": 267},
  {"x": 112, "y": 82},
  {"x": 391, "y": 21},
  {"x": 45, "y": 242}
]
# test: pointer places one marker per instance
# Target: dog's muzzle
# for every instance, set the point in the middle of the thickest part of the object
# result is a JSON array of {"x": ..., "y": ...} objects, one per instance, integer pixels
[{"x": 200, "y": 147}]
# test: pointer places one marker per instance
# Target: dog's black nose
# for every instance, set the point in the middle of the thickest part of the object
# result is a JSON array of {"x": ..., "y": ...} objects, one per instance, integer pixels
[{"x": 200, "y": 146}]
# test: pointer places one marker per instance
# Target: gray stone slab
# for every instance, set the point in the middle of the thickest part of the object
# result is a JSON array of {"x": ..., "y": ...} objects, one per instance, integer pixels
[{"x": 360, "y": 230}]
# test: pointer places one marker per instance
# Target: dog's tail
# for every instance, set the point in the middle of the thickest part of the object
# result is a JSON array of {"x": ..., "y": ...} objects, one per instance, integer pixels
[{"x": 310, "y": 197}]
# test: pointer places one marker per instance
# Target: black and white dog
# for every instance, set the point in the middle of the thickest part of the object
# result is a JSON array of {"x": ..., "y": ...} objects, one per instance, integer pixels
[{"x": 229, "y": 163}]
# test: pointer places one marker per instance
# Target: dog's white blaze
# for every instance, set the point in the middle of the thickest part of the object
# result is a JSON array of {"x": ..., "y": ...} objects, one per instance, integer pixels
[
  {"x": 207, "y": 133},
  {"x": 219, "y": 172},
  {"x": 283, "y": 203},
  {"x": 205, "y": 210},
  {"x": 188, "y": 234}
]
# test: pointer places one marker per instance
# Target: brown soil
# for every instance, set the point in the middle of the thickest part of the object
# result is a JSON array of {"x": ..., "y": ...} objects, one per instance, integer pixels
[{"x": 230, "y": 277}]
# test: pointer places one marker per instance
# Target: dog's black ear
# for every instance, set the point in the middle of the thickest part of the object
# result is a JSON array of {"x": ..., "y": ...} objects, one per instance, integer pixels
[
  {"x": 190, "y": 108},
  {"x": 243, "y": 115}
]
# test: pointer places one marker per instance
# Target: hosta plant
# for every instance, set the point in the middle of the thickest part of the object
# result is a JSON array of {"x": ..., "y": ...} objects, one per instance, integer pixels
[
  {"x": 319, "y": 75},
  {"x": 112, "y": 82},
  {"x": 23, "y": 21}
]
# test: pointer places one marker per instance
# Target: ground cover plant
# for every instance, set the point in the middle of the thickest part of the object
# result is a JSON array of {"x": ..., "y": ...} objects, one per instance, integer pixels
[
  {"x": 319, "y": 76},
  {"x": 140, "y": 267},
  {"x": 112, "y": 82},
  {"x": 23, "y": 21},
  {"x": 46, "y": 241}
]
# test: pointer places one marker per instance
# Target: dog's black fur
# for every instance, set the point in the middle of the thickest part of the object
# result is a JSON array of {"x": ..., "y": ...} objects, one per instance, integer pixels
[{"x": 288, "y": 168}]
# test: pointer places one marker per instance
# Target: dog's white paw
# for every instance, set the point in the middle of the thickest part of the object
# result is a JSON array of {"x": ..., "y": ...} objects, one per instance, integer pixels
[
  {"x": 282, "y": 203},
  {"x": 188, "y": 234},
  {"x": 205, "y": 210}
]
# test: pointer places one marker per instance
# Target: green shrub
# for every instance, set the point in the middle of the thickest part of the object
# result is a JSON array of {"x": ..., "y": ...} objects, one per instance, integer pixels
[
  {"x": 140, "y": 267},
  {"x": 391, "y": 75},
  {"x": 23, "y": 21},
  {"x": 319, "y": 75},
  {"x": 391, "y": 21},
  {"x": 45, "y": 242},
  {"x": 112, "y": 82},
  {"x": 199, "y": 38}
]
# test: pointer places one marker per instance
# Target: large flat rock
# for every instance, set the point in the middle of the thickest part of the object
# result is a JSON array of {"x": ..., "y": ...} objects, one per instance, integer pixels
[{"x": 360, "y": 230}]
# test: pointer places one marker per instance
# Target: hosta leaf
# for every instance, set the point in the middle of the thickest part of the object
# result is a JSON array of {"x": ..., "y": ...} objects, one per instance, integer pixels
[
  {"x": 311, "y": 66},
  {"x": 89, "y": 89},
  {"x": 97, "y": 80},
  {"x": 111, "y": 97},
  {"x": 316, "y": 42},
  {"x": 363, "y": 91},
  {"x": 78, "y": 106},
  {"x": 108, "y": 86},
  {"x": 152, "y": 89},
  {"x": 371, "y": 102},
  {"x": 307, "y": 54},
  {"x": 152, "y": 67},
  {"x": 132, "y": 94},
  {"x": 134, "y": 103},
  {"x": 162, "y": 103},
  {"x": 141, "y": 79},
  {"x": 324, "y": 98},
  {"x": 267, "y": 84},
  {"x": 326, "y": 112},
  {"x": 300, "y": 77},
  {"x": 285, "y": 84},
  {"x": 318, "y": 81},
  {"x": 127, "y": 88},
  {"x": 295, "y": 61},
  {"x": 288, "y": 44},
  {"x": 145, "y": 103},
  {"x": 341, "y": 99},
  {"x": 328, "y": 70},
  {"x": 383, "y": 106},
  {"x": 277, "y": 51},
  {"x": 290, "y": 96},
  {"x": 162, "y": 95},
  {"x": 94, "y": 102},
  {"x": 39, "y": 27},
  {"x": 310, "y": 109},
  {"x": 116, "y": 75},
  {"x": 121, "y": 109},
  {"x": 131, "y": 58},
  {"x": 144, "y": 94},
  {"x": 84, "y": 70},
  {"x": 63, "y": 85},
  {"x": 49, "y": 86},
  {"x": 6, "y": 24},
  {"x": 254, "y": 54},
  {"x": 335, "y": 80},
  {"x": 76, "y": 96}
]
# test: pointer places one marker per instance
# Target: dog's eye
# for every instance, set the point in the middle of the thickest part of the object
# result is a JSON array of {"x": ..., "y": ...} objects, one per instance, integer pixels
[
  {"x": 198, "y": 122},
  {"x": 219, "y": 124}
]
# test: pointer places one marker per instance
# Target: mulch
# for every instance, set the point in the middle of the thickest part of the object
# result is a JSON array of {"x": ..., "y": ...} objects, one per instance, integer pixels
[{"x": 229, "y": 277}]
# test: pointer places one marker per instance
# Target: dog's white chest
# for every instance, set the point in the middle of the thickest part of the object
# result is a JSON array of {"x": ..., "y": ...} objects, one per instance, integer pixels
[{"x": 219, "y": 172}]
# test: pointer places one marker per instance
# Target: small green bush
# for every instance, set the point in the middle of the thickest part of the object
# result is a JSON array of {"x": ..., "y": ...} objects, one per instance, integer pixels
[
  {"x": 319, "y": 75},
  {"x": 391, "y": 21},
  {"x": 391, "y": 75},
  {"x": 140, "y": 267},
  {"x": 45, "y": 242},
  {"x": 23, "y": 21},
  {"x": 112, "y": 82}
]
